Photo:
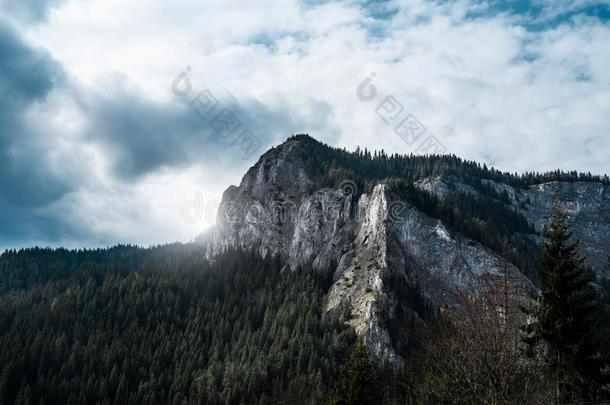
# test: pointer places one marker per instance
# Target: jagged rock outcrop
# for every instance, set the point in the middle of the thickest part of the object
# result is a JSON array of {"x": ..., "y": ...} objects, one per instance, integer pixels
[{"x": 361, "y": 237}]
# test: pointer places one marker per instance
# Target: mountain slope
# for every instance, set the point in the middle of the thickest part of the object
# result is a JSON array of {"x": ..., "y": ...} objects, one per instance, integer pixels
[
  {"x": 436, "y": 225},
  {"x": 586, "y": 203}
]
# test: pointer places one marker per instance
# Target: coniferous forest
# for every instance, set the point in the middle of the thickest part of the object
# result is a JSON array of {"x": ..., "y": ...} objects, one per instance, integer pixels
[{"x": 163, "y": 326}]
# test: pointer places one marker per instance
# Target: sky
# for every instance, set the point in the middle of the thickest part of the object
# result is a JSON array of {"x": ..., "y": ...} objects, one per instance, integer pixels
[{"x": 124, "y": 121}]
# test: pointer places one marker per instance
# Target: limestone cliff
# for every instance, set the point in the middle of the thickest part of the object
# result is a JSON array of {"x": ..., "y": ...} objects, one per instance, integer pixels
[{"x": 366, "y": 239}]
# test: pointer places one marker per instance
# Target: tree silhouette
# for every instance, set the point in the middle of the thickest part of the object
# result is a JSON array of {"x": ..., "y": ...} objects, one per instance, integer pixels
[{"x": 566, "y": 321}]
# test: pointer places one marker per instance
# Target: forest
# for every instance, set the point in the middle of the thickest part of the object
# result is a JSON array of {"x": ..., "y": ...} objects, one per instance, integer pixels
[{"x": 163, "y": 325}]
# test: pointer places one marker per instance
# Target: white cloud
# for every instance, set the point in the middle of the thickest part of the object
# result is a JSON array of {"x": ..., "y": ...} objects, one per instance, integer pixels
[{"x": 487, "y": 87}]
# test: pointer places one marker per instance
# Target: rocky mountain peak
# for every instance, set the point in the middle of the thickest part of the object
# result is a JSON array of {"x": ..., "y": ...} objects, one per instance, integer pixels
[
  {"x": 281, "y": 169},
  {"x": 432, "y": 225}
]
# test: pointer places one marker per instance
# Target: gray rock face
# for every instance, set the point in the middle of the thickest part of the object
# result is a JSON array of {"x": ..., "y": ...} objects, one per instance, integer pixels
[
  {"x": 260, "y": 212},
  {"x": 587, "y": 205},
  {"x": 278, "y": 210},
  {"x": 588, "y": 209}
]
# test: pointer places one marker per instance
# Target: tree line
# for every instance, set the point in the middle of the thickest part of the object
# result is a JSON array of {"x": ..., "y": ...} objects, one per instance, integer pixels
[{"x": 321, "y": 158}]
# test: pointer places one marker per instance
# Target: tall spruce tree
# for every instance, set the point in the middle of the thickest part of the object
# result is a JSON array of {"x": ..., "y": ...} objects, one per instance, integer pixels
[
  {"x": 566, "y": 322},
  {"x": 358, "y": 380}
]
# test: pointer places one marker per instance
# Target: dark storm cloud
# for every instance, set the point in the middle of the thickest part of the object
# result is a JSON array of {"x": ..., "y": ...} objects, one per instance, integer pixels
[
  {"x": 142, "y": 136},
  {"x": 27, "y": 77}
]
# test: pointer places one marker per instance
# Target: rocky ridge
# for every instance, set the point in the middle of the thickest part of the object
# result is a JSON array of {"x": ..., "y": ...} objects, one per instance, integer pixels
[
  {"x": 586, "y": 204},
  {"x": 367, "y": 238}
]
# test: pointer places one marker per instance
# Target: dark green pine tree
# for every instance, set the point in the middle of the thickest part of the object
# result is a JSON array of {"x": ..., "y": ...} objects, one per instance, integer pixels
[
  {"x": 358, "y": 380},
  {"x": 567, "y": 319}
]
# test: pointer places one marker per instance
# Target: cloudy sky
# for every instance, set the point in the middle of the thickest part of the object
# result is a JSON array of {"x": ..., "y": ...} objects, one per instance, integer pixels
[{"x": 102, "y": 142}]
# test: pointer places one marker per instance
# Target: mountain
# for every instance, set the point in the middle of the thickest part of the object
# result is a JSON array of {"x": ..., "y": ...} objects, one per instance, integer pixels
[
  {"x": 315, "y": 247},
  {"x": 402, "y": 233}
]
